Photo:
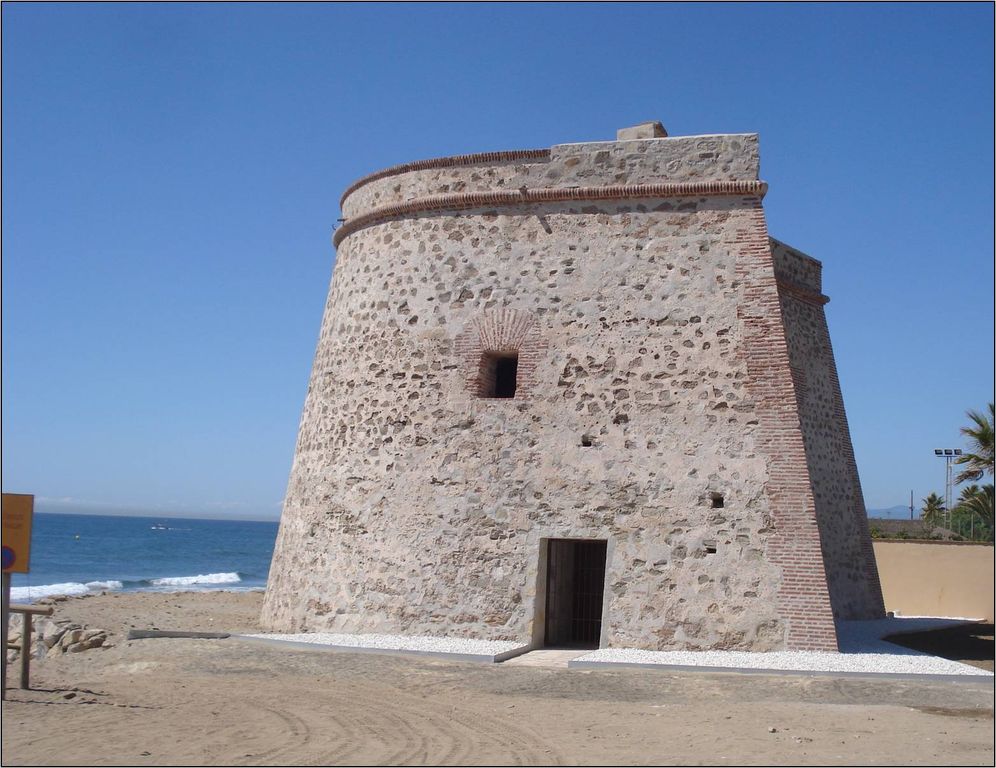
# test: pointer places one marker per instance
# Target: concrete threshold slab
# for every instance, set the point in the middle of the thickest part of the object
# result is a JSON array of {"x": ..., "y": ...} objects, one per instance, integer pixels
[
  {"x": 475, "y": 657},
  {"x": 546, "y": 657}
]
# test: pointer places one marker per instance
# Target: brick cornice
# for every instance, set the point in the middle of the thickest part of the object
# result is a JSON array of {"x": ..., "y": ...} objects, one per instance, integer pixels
[
  {"x": 479, "y": 158},
  {"x": 801, "y": 292},
  {"x": 508, "y": 198}
]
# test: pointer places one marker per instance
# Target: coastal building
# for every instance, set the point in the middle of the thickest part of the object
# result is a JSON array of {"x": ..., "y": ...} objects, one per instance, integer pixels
[{"x": 576, "y": 396}]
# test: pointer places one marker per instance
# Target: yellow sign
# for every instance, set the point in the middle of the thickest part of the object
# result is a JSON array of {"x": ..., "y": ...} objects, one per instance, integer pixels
[{"x": 18, "y": 509}]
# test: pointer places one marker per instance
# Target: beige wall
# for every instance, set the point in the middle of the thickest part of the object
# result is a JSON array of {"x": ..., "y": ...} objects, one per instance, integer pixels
[{"x": 933, "y": 579}]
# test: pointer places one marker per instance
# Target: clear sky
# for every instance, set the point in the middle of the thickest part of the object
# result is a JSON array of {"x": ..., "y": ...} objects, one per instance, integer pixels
[{"x": 171, "y": 176}]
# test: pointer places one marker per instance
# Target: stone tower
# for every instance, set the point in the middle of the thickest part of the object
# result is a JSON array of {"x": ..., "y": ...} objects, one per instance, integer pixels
[{"x": 574, "y": 396}]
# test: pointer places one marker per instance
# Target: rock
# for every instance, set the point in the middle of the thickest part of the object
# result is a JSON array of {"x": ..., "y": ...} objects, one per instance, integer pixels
[
  {"x": 94, "y": 641},
  {"x": 52, "y": 638},
  {"x": 52, "y": 633},
  {"x": 772, "y": 730}
]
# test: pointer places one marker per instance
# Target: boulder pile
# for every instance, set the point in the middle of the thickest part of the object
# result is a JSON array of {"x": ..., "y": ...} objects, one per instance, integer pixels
[{"x": 53, "y": 637}]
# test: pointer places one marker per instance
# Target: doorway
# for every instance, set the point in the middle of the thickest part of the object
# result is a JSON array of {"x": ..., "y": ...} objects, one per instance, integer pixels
[{"x": 575, "y": 583}]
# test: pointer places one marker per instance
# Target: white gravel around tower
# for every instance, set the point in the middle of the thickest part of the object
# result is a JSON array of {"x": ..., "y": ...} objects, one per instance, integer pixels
[
  {"x": 862, "y": 651},
  {"x": 422, "y": 644}
]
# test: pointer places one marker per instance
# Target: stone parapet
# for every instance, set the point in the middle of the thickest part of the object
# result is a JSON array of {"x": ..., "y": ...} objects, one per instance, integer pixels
[{"x": 590, "y": 164}]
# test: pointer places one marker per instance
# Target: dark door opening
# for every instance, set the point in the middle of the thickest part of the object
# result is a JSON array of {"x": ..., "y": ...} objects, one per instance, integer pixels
[{"x": 575, "y": 580}]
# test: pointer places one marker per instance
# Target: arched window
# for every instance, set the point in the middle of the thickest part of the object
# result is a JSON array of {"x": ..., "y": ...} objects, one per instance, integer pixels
[{"x": 499, "y": 352}]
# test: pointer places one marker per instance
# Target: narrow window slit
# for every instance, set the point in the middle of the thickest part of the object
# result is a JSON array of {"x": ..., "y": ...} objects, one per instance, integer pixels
[{"x": 498, "y": 374}]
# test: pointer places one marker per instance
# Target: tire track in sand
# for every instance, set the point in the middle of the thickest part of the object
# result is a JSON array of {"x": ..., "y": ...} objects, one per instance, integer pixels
[
  {"x": 400, "y": 729},
  {"x": 294, "y": 737},
  {"x": 450, "y": 735}
]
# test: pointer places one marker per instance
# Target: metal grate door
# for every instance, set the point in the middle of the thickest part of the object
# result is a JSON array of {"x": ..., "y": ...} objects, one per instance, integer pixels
[{"x": 575, "y": 586}]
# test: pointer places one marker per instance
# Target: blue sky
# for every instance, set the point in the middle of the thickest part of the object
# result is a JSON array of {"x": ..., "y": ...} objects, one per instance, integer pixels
[{"x": 171, "y": 176}]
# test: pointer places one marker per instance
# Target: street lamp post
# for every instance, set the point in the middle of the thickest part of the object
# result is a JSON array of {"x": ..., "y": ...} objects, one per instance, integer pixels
[{"x": 948, "y": 454}]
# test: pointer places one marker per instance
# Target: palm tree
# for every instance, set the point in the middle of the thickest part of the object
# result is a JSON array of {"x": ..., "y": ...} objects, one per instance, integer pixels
[
  {"x": 978, "y": 501},
  {"x": 979, "y": 458},
  {"x": 933, "y": 510},
  {"x": 967, "y": 493}
]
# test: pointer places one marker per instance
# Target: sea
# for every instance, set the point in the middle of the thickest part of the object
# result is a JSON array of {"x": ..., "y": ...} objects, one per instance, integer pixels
[{"x": 81, "y": 554}]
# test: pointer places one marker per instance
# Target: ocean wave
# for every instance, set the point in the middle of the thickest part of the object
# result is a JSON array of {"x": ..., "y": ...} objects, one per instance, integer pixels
[
  {"x": 65, "y": 588},
  {"x": 97, "y": 586},
  {"x": 166, "y": 584},
  {"x": 209, "y": 578}
]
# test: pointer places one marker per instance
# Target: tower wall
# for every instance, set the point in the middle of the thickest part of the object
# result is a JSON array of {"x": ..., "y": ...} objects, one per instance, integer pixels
[
  {"x": 636, "y": 281},
  {"x": 852, "y": 575}
]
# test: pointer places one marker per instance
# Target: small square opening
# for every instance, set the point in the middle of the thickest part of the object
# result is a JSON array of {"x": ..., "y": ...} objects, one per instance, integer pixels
[
  {"x": 717, "y": 501},
  {"x": 498, "y": 374}
]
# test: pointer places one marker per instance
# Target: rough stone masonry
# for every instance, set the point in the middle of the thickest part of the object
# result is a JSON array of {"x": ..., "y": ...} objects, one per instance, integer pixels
[{"x": 526, "y": 351}]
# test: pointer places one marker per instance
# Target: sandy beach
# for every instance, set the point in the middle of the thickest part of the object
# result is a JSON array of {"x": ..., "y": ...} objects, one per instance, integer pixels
[{"x": 230, "y": 702}]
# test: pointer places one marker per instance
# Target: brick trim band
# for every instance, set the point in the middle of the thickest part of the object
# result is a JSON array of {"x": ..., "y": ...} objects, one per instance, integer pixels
[
  {"x": 504, "y": 198},
  {"x": 479, "y": 158}
]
